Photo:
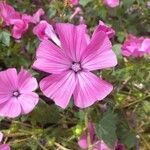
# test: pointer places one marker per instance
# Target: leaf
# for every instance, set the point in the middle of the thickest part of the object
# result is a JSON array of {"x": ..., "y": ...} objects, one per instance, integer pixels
[
  {"x": 5, "y": 38},
  {"x": 117, "y": 50},
  {"x": 106, "y": 128},
  {"x": 45, "y": 114},
  {"x": 84, "y": 2}
]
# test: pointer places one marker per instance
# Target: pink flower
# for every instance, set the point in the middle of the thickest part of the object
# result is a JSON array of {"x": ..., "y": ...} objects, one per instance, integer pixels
[
  {"x": 105, "y": 28},
  {"x": 7, "y": 13},
  {"x": 16, "y": 93},
  {"x": 74, "y": 2},
  {"x": 36, "y": 17},
  {"x": 71, "y": 66},
  {"x": 20, "y": 26},
  {"x": 135, "y": 47},
  {"x": 45, "y": 31},
  {"x": 3, "y": 146},
  {"x": 97, "y": 144},
  {"x": 111, "y": 3}
]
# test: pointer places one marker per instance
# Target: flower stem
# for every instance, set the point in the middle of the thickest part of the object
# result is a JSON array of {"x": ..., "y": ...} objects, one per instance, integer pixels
[{"x": 88, "y": 133}]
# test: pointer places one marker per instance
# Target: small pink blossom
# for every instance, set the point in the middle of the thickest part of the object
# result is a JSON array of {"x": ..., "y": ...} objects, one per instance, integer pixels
[
  {"x": 111, "y": 3},
  {"x": 74, "y": 2},
  {"x": 97, "y": 144},
  {"x": 105, "y": 28},
  {"x": 20, "y": 26},
  {"x": 16, "y": 93},
  {"x": 7, "y": 13},
  {"x": 3, "y": 146},
  {"x": 36, "y": 17},
  {"x": 135, "y": 47},
  {"x": 71, "y": 64},
  {"x": 77, "y": 10},
  {"x": 45, "y": 31}
]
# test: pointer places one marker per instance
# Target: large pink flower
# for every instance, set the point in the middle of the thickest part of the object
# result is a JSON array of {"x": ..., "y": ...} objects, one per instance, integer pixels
[
  {"x": 16, "y": 93},
  {"x": 111, "y": 3},
  {"x": 7, "y": 13},
  {"x": 136, "y": 47},
  {"x": 97, "y": 144},
  {"x": 3, "y": 146},
  {"x": 71, "y": 65},
  {"x": 105, "y": 28}
]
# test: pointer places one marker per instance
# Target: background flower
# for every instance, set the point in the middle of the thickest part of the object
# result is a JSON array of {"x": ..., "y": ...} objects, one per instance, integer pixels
[{"x": 16, "y": 93}]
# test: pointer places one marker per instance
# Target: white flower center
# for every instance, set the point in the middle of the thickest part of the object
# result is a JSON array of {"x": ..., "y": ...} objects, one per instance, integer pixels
[
  {"x": 16, "y": 93},
  {"x": 76, "y": 67}
]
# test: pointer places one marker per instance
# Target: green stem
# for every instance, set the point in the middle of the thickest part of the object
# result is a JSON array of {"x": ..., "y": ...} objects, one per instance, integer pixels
[{"x": 88, "y": 133}]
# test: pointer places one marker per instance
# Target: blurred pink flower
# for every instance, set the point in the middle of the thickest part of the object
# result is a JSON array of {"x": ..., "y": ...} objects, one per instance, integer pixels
[
  {"x": 7, "y": 13},
  {"x": 45, "y": 31},
  {"x": 3, "y": 146},
  {"x": 97, "y": 144},
  {"x": 111, "y": 3},
  {"x": 36, "y": 17},
  {"x": 71, "y": 66},
  {"x": 105, "y": 28},
  {"x": 16, "y": 96},
  {"x": 74, "y": 2},
  {"x": 77, "y": 10},
  {"x": 136, "y": 47},
  {"x": 20, "y": 26}
]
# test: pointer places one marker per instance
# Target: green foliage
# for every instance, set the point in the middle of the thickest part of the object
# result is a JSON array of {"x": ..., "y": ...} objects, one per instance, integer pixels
[
  {"x": 45, "y": 114},
  {"x": 106, "y": 128},
  {"x": 120, "y": 117},
  {"x": 5, "y": 38}
]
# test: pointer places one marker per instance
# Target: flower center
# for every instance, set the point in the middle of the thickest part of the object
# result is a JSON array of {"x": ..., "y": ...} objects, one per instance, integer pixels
[
  {"x": 76, "y": 66},
  {"x": 16, "y": 93}
]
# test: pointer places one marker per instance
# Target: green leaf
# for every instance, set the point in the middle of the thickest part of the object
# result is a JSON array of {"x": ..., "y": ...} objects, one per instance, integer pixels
[
  {"x": 125, "y": 135},
  {"x": 45, "y": 114},
  {"x": 106, "y": 128},
  {"x": 117, "y": 50},
  {"x": 5, "y": 38},
  {"x": 51, "y": 12},
  {"x": 84, "y": 2}
]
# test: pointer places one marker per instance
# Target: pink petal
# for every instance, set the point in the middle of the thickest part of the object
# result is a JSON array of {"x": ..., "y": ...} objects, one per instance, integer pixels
[
  {"x": 26, "y": 82},
  {"x": 1, "y": 136},
  {"x": 105, "y": 28},
  {"x": 74, "y": 2},
  {"x": 111, "y": 3},
  {"x": 50, "y": 58},
  {"x": 73, "y": 39},
  {"x": 20, "y": 27},
  {"x": 4, "y": 147},
  {"x": 49, "y": 31},
  {"x": 100, "y": 145},
  {"x": 83, "y": 142},
  {"x": 59, "y": 87},
  {"x": 10, "y": 108},
  {"x": 37, "y": 15},
  {"x": 7, "y": 13},
  {"x": 9, "y": 83},
  {"x": 28, "y": 102},
  {"x": 145, "y": 47},
  {"x": 9, "y": 79},
  {"x": 39, "y": 30},
  {"x": 77, "y": 10},
  {"x": 90, "y": 89},
  {"x": 99, "y": 53}
]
